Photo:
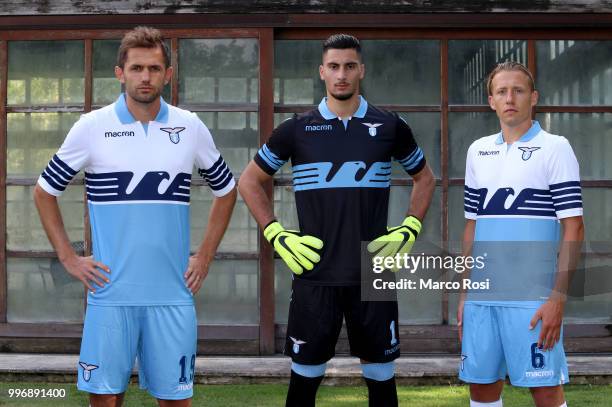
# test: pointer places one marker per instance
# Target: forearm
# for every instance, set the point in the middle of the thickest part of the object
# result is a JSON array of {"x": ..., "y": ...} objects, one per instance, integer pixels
[
  {"x": 51, "y": 219},
  {"x": 569, "y": 255},
  {"x": 422, "y": 193},
  {"x": 254, "y": 194},
  {"x": 218, "y": 219}
]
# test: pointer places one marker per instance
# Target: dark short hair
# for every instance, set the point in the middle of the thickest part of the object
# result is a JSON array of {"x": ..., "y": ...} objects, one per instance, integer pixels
[
  {"x": 510, "y": 66},
  {"x": 342, "y": 41},
  {"x": 142, "y": 37}
]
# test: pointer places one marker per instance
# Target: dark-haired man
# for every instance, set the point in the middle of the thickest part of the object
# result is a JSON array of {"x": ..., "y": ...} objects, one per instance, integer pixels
[
  {"x": 341, "y": 156},
  {"x": 138, "y": 155}
]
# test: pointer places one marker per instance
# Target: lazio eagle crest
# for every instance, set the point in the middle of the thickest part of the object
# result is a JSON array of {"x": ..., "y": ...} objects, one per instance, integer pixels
[{"x": 173, "y": 133}]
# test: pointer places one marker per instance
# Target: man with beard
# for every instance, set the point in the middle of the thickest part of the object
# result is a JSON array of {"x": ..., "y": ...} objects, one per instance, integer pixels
[
  {"x": 138, "y": 154},
  {"x": 341, "y": 155}
]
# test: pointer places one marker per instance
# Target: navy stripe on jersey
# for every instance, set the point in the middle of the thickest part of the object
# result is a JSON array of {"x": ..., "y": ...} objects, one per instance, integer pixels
[
  {"x": 471, "y": 199},
  {"x": 528, "y": 202},
  {"x": 271, "y": 159},
  {"x": 58, "y": 174},
  {"x": 217, "y": 176},
  {"x": 566, "y": 195},
  {"x": 113, "y": 187}
]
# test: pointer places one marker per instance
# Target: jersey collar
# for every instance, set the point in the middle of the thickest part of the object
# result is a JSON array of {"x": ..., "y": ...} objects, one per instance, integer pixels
[
  {"x": 531, "y": 133},
  {"x": 125, "y": 117},
  {"x": 328, "y": 114}
]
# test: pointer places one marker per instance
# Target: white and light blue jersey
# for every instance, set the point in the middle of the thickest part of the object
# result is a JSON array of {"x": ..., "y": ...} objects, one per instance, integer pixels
[
  {"x": 517, "y": 194},
  {"x": 138, "y": 181}
]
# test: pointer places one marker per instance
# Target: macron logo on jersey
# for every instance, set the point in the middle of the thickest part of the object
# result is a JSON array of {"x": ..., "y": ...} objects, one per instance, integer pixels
[
  {"x": 320, "y": 127},
  {"x": 494, "y": 152},
  {"x": 119, "y": 134}
]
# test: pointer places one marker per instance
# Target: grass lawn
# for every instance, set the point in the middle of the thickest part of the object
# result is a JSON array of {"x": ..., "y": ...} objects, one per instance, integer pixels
[{"x": 274, "y": 395}]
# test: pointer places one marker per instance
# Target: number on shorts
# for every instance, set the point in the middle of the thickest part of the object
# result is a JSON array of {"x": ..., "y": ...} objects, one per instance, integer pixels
[
  {"x": 192, "y": 367},
  {"x": 182, "y": 363},
  {"x": 537, "y": 359},
  {"x": 182, "y": 379}
]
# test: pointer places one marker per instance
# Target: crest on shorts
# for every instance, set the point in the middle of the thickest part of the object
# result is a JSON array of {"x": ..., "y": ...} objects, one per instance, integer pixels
[
  {"x": 372, "y": 128},
  {"x": 463, "y": 358},
  {"x": 527, "y": 151},
  {"x": 173, "y": 133},
  {"x": 296, "y": 344},
  {"x": 87, "y": 370}
]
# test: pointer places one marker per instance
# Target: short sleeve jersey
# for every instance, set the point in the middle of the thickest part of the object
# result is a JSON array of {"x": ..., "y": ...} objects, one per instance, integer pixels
[
  {"x": 517, "y": 193},
  {"x": 341, "y": 178},
  {"x": 138, "y": 182}
]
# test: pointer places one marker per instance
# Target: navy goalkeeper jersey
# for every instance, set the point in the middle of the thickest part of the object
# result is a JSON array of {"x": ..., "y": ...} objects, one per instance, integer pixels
[{"x": 341, "y": 178}]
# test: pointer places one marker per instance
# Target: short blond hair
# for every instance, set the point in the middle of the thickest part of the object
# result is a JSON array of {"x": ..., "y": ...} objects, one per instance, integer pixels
[
  {"x": 510, "y": 66},
  {"x": 142, "y": 37}
]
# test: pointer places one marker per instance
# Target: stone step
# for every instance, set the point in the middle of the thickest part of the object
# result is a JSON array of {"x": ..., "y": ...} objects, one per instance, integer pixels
[{"x": 416, "y": 370}]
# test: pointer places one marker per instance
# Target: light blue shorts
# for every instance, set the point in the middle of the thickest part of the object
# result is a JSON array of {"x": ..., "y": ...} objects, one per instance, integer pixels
[
  {"x": 497, "y": 341},
  {"x": 163, "y": 338}
]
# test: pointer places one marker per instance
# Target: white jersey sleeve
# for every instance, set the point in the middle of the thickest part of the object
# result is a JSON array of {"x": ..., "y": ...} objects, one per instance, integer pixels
[
  {"x": 470, "y": 193},
  {"x": 564, "y": 180},
  {"x": 210, "y": 164},
  {"x": 72, "y": 156}
]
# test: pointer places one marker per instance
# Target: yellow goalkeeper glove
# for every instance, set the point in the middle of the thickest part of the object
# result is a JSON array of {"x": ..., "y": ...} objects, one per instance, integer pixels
[
  {"x": 295, "y": 249},
  {"x": 399, "y": 239}
]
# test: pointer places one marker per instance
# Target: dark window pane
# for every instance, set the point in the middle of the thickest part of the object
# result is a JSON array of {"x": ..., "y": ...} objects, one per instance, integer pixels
[
  {"x": 574, "y": 72},
  {"x": 40, "y": 290},
  {"x": 218, "y": 71},
  {"x": 229, "y": 293},
  {"x": 426, "y": 130},
  {"x": 297, "y": 72},
  {"x": 33, "y": 138},
  {"x": 23, "y": 228},
  {"x": 106, "y": 87},
  {"x": 463, "y": 129},
  {"x": 235, "y": 135},
  {"x": 590, "y": 135},
  {"x": 46, "y": 72},
  {"x": 401, "y": 72},
  {"x": 242, "y": 232},
  {"x": 469, "y": 64},
  {"x": 413, "y": 81}
]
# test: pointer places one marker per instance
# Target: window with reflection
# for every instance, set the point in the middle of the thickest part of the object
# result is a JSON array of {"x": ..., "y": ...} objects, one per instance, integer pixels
[
  {"x": 590, "y": 135},
  {"x": 470, "y": 62},
  {"x": 40, "y": 290},
  {"x": 45, "y": 73},
  {"x": 463, "y": 130},
  {"x": 574, "y": 72},
  {"x": 218, "y": 71},
  {"x": 414, "y": 81},
  {"x": 230, "y": 293},
  {"x": 24, "y": 232}
]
